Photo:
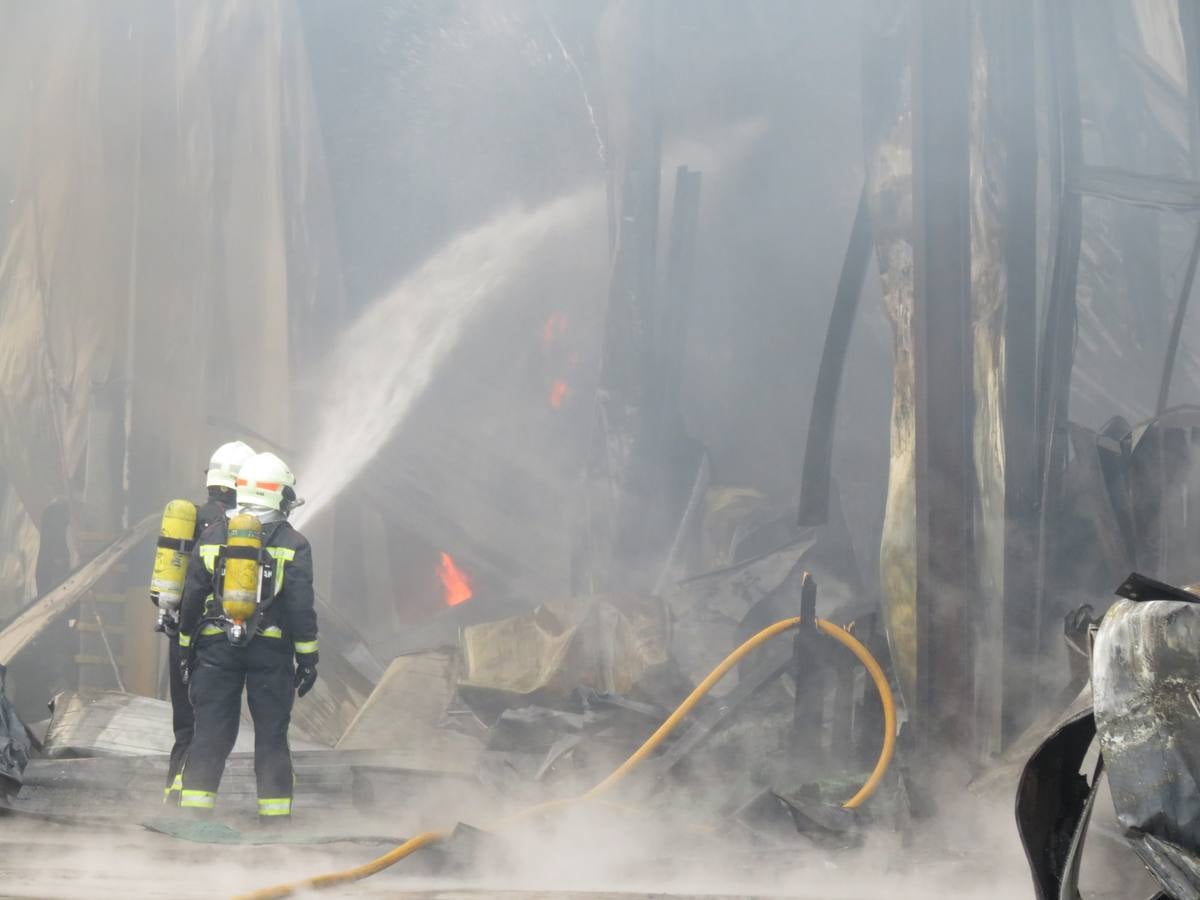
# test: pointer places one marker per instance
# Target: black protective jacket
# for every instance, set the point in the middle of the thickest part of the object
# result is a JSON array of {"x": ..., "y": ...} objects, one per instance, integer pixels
[
  {"x": 213, "y": 509},
  {"x": 291, "y": 617}
]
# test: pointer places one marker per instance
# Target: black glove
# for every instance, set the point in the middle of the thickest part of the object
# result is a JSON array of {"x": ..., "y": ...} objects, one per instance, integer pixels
[
  {"x": 185, "y": 670},
  {"x": 306, "y": 677},
  {"x": 169, "y": 624}
]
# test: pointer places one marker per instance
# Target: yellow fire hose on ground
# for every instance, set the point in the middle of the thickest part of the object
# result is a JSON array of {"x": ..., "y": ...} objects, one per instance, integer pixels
[{"x": 841, "y": 635}]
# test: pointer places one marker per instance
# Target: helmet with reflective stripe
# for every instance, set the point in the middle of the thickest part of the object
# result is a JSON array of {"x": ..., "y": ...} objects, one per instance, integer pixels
[
  {"x": 265, "y": 481},
  {"x": 225, "y": 463}
]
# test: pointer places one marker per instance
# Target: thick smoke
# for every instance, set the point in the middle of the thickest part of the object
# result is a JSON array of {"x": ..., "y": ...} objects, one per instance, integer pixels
[
  {"x": 382, "y": 363},
  {"x": 449, "y": 350}
]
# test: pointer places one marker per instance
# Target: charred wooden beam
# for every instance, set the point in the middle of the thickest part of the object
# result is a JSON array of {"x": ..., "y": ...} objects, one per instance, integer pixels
[{"x": 822, "y": 419}]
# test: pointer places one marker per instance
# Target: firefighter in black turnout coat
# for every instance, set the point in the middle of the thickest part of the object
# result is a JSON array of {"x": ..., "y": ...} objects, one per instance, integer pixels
[
  {"x": 222, "y": 654},
  {"x": 221, "y": 480}
]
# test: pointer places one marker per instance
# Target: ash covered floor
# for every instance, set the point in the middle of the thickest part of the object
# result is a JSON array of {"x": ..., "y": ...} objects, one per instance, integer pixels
[
  {"x": 576, "y": 856},
  {"x": 58, "y": 861}
]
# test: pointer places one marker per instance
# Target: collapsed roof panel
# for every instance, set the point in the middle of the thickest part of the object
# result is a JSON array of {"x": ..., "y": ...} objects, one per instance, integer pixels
[
  {"x": 613, "y": 644},
  {"x": 406, "y": 713}
]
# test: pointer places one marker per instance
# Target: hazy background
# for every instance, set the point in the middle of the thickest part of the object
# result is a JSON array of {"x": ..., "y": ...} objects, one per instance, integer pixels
[{"x": 438, "y": 116}]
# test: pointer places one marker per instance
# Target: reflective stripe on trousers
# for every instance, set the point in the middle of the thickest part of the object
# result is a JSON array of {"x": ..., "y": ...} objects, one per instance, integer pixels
[
  {"x": 275, "y": 806},
  {"x": 174, "y": 787},
  {"x": 190, "y": 799}
]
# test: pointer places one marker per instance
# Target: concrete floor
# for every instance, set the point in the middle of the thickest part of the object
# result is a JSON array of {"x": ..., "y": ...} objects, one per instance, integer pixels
[
  {"x": 580, "y": 853},
  {"x": 57, "y": 861}
]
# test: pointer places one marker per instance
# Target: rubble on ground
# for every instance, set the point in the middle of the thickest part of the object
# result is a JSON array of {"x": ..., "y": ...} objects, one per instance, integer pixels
[
  {"x": 15, "y": 745},
  {"x": 511, "y": 705}
]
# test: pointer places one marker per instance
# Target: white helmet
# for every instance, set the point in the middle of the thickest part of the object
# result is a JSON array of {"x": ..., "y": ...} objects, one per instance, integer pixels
[
  {"x": 266, "y": 482},
  {"x": 225, "y": 463}
]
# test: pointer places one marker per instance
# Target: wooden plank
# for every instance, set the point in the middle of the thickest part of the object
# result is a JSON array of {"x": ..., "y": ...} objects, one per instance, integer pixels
[
  {"x": 143, "y": 645},
  {"x": 38, "y": 616}
]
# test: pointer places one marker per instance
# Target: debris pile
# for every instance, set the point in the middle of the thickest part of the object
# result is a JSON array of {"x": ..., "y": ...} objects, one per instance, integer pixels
[
  {"x": 499, "y": 707},
  {"x": 15, "y": 745}
]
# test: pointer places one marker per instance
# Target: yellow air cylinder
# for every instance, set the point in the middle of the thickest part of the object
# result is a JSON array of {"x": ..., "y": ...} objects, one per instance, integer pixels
[
  {"x": 240, "y": 597},
  {"x": 171, "y": 557}
]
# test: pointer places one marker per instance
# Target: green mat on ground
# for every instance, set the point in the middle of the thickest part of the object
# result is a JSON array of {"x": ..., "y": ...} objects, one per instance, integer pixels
[{"x": 209, "y": 832}]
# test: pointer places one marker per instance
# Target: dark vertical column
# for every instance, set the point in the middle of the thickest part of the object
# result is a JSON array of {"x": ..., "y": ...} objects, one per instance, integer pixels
[
  {"x": 944, "y": 709},
  {"x": 822, "y": 420},
  {"x": 1057, "y": 347},
  {"x": 677, "y": 296},
  {"x": 618, "y": 534},
  {"x": 1018, "y": 75}
]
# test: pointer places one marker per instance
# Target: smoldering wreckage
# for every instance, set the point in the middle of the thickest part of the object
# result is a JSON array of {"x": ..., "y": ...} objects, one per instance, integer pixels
[{"x": 748, "y": 682}]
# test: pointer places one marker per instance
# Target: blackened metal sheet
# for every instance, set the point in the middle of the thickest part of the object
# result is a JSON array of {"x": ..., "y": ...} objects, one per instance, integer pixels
[
  {"x": 1177, "y": 870},
  {"x": 1052, "y": 798},
  {"x": 14, "y": 745},
  {"x": 1146, "y": 688}
]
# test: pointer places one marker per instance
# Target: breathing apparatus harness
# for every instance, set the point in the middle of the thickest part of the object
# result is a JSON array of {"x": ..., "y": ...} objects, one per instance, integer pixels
[
  {"x": 240, "y": 631},
  {"x": 238, "y": 612}
]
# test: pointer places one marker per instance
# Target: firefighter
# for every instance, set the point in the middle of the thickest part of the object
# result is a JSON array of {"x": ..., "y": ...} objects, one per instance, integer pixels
[
  {"x": 220, "y": 479},
  {"x": 225, "y": 650}
]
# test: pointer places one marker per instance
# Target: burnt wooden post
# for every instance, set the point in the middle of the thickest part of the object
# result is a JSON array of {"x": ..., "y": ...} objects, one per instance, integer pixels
[{"x": 808, "y": 670}]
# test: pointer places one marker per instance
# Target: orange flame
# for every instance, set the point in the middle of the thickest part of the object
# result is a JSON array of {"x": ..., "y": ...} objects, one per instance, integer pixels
[
  {"x": 558, "y": 393},
  {"x": 456, "y": 584},
  {"x": 555, "y": 327}
]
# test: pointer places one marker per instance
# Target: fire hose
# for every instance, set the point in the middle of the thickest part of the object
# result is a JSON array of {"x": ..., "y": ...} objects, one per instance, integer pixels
[{"x": 839, "y": 634}]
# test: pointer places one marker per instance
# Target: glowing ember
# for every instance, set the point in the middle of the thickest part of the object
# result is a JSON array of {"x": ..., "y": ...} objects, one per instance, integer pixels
[
  {"x": 455, "y": 583},
  {"x": 555, "y": 327},
  {"x": 558, "y": 393}
]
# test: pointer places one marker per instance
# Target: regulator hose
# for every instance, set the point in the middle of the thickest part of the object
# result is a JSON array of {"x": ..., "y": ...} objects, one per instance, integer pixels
[{"x": 839, "y": 634}]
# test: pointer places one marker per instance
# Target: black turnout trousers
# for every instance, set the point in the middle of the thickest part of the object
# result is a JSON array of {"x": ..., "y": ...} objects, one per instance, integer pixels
[
  {"x": 183, "y": 721},
  {"x": 264, "y": 668}
]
